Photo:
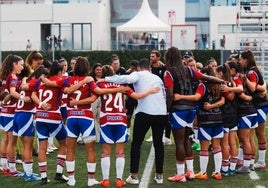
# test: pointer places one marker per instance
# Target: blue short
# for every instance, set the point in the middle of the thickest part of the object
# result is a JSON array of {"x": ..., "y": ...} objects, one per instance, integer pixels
[
  {"x": 85, "y": 126},
  {"x": 181, "y": 119},
  {"x": 261, "y": 114},
  {"x": 208, "y": 133},
  {"x": 248, "y": 122},
  {"x": 113, "y": 133},
  {"x": 7, "y": 123},
  {"x": 45, "y": 130},
  {"x": 23, "y": 124}
]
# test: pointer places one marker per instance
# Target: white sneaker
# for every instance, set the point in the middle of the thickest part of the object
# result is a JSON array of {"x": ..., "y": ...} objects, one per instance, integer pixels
[
  {"x": 167, "y": 141},
  {"x": 91, "y": 182},
  {"x": 52, "y": 147},
  {"x": 132, "y": 180},
  {"x": 71, "y": 183},
  {"x": 49, "y": 150},
  {"x": 150, "y": 139},
  {"x": 158, "y": 179},
  {"x": 260, "y": 165}
]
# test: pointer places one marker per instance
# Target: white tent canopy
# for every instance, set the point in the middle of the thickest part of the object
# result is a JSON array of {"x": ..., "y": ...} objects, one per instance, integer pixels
[{"x": 144, "y": 21}]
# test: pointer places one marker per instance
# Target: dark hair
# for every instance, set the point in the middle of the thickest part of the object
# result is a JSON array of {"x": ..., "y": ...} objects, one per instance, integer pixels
[
  {"x": 250, "y": 57},
  {"x": 25, "y": 72},
  {"x": 213, "y": 88},
  {"x": 62, "y": 60},
  {"x": 134, "y": 63},
  {"x": 157, "y": 53},
  {"x": 92, "y": 73},
  {"x": 173, "y": 61},
  {"x": 207, "y": 70},
  {"x": 225, "y": 71},
  {"x": 55, "y": 68},
  {"x": 234, "y": 65},
  {"x": 114, "y": 57},
  {"x": 38, "y": 72},
  {"x": 7, "y": 65},
  {"x": 96, "y": 65},
  {"x": 210, "y": 60},
  {"x": 107, "y": 70},
  {"x": 47, "y": 64},
  {"x": 74, "y": 58},
  {"x": 144, "y": 63},
  {"x": 81, "y": 67}
]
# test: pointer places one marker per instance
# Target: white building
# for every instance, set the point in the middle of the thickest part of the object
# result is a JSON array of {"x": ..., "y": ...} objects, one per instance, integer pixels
[
  {"x": 81, "y": 26},
  {"x": 91, "y": 24}
]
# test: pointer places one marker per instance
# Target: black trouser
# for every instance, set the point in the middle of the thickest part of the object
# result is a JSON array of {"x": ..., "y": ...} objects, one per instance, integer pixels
[
  {"x": 142, "y": 123},
  {"x": 167, "y": 127}
]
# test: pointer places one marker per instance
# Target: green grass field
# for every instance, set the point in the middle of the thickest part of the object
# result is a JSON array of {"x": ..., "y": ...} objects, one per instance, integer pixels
[{"x": 241, "y": 181}]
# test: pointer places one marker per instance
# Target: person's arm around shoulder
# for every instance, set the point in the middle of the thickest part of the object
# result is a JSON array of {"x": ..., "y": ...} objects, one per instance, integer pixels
[
  {"x": 85, "y": 101},
  {"x": 140, "y": 95},
  {"x": 193, "y": 98},
  {"x": 123, "y": 79},
  {"x": 219, "y": 103},
  {"x": 71, "y": 89}
]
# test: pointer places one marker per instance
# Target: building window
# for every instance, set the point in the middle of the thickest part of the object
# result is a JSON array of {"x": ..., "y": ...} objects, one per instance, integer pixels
[
  {"x": 227, "y": 28},
  {"x": 60, "y": 1},
  {"x": 82, "y": 36}
]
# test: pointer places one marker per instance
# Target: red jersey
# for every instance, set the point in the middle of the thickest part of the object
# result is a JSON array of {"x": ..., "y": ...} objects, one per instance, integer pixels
[
  {"x": 113, "y": 105},
  {"x": 82, "y": 93},
  {"x": 29, "y": 106},
  {"x": 52, "y": 96},
  {"x": 238, "y": 82},
  {"x": 10, "y": 82}
]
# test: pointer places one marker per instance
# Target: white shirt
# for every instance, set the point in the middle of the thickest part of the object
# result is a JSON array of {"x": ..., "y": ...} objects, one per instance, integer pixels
[{"x": 153, "y": 104}]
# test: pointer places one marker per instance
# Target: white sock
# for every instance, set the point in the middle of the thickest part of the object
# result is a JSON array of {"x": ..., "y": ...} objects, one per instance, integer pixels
[
  {"x": 190, "y": 163},
  {"x": 91, "y": 168},
  {"x": 60, "y": 163},
  {"x": 217, "y": 159},
  {"x": 180, "y": 168},
  {"x": 233, "y": 162},
  {"x": 43, "y": 169},
  {"x": 12, "y": 164},
  {"x": 225, "y": 165},
  {"x": 70, "y": 166},
  {"x": 105, "y": 167},
  {"x": 262, "y": 154},
  {"x": 4, "y": 163},
  {"x": 120, "y": 164},
  {"x": 50, "y": 141},
  {"x": 28, "y": 167},
  {"x": 240, "y": 154},
  {"x": 203, "y": 160}
]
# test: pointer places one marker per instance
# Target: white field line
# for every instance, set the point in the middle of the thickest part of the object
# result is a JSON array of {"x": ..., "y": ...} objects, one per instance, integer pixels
[
  {"x": 260, "y": 186},
  {"x": 147, "y": 170}
]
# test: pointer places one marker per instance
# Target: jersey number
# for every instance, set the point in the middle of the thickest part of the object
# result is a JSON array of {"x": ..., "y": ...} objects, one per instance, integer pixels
[
  {"x": 47, "y": 94},
  {"x": 117, "y": 101}
]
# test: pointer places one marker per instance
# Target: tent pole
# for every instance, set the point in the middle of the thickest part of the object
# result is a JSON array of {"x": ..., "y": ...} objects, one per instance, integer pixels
[{"x": 116, "y": 39}]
